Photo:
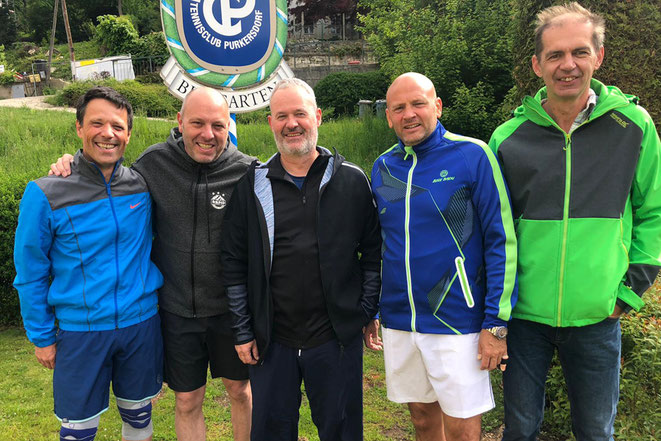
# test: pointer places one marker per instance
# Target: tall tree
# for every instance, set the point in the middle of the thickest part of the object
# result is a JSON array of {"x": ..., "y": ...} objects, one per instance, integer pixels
[
  {"x": 8, "y": 31},
  {"x": 461, "y": 45}
]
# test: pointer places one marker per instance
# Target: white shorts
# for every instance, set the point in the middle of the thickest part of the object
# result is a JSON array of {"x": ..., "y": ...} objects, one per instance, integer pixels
[{"x": 423, "y": 368}]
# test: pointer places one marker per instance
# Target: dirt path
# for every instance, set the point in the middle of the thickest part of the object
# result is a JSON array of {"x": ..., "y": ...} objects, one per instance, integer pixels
[{"x": 33, "y": 102}]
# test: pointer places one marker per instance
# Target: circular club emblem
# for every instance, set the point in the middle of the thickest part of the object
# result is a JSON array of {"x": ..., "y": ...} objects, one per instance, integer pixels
[
  {"x": 444, "y": 173},
  {"x": 218, "y": 201},
  {"x": 226, "y": 43}
]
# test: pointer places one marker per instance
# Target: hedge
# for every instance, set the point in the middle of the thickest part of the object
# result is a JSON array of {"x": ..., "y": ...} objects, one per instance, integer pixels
[
  {"x": 11, "y": 191},
  {"x": 147, "y": 99},
  {"x": 341, "y": 91}
]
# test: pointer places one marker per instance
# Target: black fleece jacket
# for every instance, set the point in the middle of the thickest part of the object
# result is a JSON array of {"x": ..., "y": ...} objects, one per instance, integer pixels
[
  {"x": 189, "y": 205},
  {"x": 349, "y": 243}
]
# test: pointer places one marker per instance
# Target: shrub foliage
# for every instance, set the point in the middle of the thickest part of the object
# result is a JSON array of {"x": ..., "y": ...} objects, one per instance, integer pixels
[
  {"x": 147, "y": 99},
  {"x": 341, "y": 91}
]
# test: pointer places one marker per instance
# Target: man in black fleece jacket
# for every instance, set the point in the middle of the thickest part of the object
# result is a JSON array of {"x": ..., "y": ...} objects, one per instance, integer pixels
[
  {"x": 301, "y": 262},
  {"x": 191, "y": 177}
]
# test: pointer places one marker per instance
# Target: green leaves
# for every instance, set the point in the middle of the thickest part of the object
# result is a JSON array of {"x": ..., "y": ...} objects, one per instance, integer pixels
[{"x": 116, "y": 34}]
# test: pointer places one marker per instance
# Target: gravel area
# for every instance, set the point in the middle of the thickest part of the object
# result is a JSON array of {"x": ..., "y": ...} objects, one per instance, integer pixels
[{"x": 33, "y": 102}]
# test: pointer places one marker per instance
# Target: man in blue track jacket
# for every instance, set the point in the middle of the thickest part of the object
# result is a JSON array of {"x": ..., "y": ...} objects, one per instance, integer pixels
[
  {"x": 449, "y": 266},
  {"x": 86, "y": 284}
]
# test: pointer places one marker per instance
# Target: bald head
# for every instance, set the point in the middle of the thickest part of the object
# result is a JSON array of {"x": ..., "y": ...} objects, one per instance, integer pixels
[
  {"x": 413, "y": 107},
  {"x": 204, "y": 124},
  {"x": 414, "y": 79},
  {"x": 204, "y": 94}
]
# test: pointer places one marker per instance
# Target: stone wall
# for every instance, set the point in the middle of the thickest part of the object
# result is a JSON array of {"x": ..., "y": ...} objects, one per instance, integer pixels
[{"x": 313, "y": 74}]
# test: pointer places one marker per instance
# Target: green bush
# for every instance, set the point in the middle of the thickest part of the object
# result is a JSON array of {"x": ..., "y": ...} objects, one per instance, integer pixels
[
  {"x": 343, "y": 90},
  {"x": 6, "y": 78},
  {"x": 116, "y": 34},
  {"x": 471, "y": 113},
  {"x": 149, "y": 78},
  {"x": 146, "y": 99},
  {"x": 348, "y": 49},
  {"x": 11, "y": 191},
  {"x": 150, "y": 45}
]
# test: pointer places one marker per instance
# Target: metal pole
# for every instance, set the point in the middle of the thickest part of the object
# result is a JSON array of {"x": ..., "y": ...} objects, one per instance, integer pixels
[
  {"x": 52, "y": 41},
  {"x": 343, "y": 27},
  {"x": 72, "y": 57}
]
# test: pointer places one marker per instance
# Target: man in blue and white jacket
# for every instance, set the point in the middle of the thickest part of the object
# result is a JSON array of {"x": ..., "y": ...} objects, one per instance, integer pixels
[
  {"x": 449, "y": 266},
  {"x": 86, "y": 284}
]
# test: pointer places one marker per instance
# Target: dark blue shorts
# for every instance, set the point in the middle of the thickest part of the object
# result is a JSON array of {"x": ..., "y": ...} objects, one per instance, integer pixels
[{"x": 87, "y": 362}]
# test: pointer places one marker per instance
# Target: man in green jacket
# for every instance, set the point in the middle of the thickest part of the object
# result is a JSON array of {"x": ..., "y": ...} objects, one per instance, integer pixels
[{"x": 583, "y": 164}]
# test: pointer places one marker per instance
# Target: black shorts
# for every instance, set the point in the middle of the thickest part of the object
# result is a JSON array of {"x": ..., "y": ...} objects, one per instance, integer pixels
[{"x": 193, "y": 344}]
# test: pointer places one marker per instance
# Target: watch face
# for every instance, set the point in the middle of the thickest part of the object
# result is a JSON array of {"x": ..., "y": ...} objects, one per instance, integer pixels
[{"x": 501, "y": 332}]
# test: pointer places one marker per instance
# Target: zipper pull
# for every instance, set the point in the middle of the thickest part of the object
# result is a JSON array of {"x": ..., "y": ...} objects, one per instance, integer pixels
[{"x": 409, "y": 151}]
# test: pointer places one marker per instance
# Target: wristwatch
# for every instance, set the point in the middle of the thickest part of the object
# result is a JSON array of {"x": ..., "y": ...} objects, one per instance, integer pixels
[{"x": 500, "y": 332}]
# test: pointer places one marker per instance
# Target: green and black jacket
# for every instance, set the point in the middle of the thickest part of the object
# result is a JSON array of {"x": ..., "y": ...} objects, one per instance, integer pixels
[{"x": 587, "y": 208}]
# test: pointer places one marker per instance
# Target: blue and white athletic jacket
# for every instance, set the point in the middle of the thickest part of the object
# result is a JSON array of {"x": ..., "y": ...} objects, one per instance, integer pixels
[
  {"x": 449, "y": 248},
  {"x": 82, "y": 252}
]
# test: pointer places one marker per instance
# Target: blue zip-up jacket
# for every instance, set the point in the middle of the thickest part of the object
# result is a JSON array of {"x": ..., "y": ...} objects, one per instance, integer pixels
[
  {"x": 449, "y": 248},
  {"x": 82, "y": 252}
]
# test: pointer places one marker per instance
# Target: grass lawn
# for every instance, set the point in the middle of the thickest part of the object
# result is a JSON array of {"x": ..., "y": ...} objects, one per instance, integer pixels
[{"x": 26, "y": 402}]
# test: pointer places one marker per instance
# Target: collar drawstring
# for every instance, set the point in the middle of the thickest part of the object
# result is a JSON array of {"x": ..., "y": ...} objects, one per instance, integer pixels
[{"x": 206, "y": 204}]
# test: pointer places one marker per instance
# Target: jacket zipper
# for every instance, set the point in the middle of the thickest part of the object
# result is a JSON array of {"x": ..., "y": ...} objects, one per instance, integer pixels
[
  {"x": 114, "y": 215},
  {"x": 192, "y": 246},
  {"x": 407, "y": 236},
  {"x": 565, "y": 225}
]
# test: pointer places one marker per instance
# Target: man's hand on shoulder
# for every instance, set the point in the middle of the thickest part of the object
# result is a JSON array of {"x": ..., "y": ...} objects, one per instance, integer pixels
[
  {"x": 371, "y": 336},
  {"x": 62, "y": 167},
  {"x": 248, "y": 352},
  {"x": 46, "y": 355},
  {"x": 491, "y": 351}
]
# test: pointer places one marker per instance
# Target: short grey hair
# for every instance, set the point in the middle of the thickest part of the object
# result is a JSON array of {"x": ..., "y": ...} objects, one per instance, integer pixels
[
  {"x": 546, "y": 17},
  {"x": 287, "y": 83}
]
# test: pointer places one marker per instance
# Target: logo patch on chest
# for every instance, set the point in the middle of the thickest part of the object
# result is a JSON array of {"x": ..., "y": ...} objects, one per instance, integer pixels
[
  {"x": 444, "y": 177},
  {"x": 218, "y": 200}
]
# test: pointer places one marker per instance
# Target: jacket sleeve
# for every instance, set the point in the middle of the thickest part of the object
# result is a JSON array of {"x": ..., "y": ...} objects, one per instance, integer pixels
[
  {"x": 370, "y": 255},
  {"x": 234, "y": 260},
  {"x": 491, "y": 200},
  {"x": 34, "y": 237},
  {"x": 645, "y": 249}
]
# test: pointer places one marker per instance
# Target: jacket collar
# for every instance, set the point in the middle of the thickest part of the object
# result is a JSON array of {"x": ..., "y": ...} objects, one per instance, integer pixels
[
  {"x": 609, "y": 97},
  {"x": 92, "y": 171},
  {"x": 431, "y": 142},
  {"x": 277, "y": 171}
]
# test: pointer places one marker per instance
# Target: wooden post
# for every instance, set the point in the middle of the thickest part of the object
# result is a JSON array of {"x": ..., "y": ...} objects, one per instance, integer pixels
[
  {"x": 52, "y": 41},
  {"x": 343, "y": 27},
  {"x": 72, "y": 57}
]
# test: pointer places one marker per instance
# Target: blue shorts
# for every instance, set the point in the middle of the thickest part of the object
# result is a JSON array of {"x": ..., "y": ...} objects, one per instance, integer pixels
[{"x": 87, "y": 362}]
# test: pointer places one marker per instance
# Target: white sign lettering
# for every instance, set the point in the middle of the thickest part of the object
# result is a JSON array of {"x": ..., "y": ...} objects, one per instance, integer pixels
[{"x": 240, "y": 101}]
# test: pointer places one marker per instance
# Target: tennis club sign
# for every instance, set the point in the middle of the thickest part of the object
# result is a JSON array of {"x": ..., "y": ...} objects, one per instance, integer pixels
[{"x": 235, "y": 46}]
